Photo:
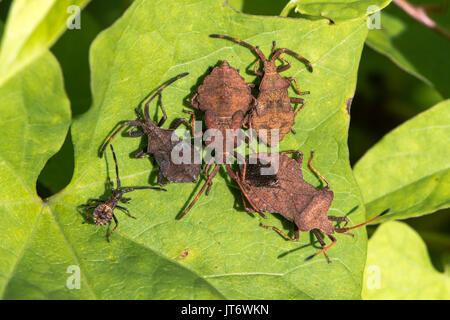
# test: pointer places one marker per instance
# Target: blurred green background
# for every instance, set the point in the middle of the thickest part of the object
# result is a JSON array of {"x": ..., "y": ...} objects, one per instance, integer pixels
[{"x": 385, "y": 97}]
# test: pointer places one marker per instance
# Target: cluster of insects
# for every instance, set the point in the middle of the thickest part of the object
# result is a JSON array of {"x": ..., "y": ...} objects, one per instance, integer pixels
[{"x": 227, "y": 103}]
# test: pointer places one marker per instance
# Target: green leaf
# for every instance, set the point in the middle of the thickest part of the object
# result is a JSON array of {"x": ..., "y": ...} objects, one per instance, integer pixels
[
  {"x": 398, "y": 267},
  {"x": 413, "y": 47},
  {"x": 35, "y": 252},
  {"x": 408, "y": 170},
  {"x": 264, "y": 7},
  {"x": 35, "y": 118},
  {"x": 228, "y": 253},
  {"x": 336, "y": 10},
  {"x": 32, "y": 27}
]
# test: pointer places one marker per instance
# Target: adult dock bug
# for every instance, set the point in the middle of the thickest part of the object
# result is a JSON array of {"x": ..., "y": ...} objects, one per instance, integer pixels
[
  {"x": 225, "y": 99},
  {"x": 273, "y": 105},
  {"x": 283, "y": 190}
]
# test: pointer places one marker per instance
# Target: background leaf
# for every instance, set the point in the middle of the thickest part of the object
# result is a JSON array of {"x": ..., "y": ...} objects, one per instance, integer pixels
[
  {"x": 226, "y": 248},
  {"x": 336, "y": 10},
  {"x": 32, "y": 27},
  {"x": 408, "y": 170},
  {"x": 72, "y": 52},
  {"x": 35, "y": 109},
  {"x": 397, "y": 257},
  {"x": 414, "y": 47}
]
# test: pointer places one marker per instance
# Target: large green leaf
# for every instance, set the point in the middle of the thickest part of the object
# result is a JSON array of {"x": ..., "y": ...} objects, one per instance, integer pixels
[
  {"x": 35, "y": 252},
  {"x": 32, "y": 27},
  {"x": 408, "y": 170},
  {"x": 399, "y": 267},
  {"x": 413, "y": 47},
  {"x": 336, "y": 10},
  {"x": 35, "y": 118},
  {"x": 228, "y": 253}
]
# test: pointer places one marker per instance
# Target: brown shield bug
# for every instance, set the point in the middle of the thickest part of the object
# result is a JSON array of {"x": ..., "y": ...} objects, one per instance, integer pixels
[
  {"x": 283, "y": 190},
  {"x": 273, "y": 105},
  {"x": 104, "y": 209},
  {"x": 225, "y": 98},
  {"x": 161, "y": 143}
]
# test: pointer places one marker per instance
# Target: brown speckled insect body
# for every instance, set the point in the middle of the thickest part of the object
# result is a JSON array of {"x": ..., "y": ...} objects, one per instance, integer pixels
[
  {"x": 161, "y": 143},
  {"x": 104, "y": 209},
  {"x": 287, "y": 193},
  {"x": 273, "y": 107},
  {"x": 225, "y": 99}
]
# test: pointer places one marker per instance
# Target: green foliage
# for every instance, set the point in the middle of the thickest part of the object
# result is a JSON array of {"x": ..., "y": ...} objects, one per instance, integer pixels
[
  {"x": 336, "y": 10},
  {"x": 408, "y": 170},
  {"x": 398, "y": 267},
  {"x": 31, "y": 29},
  {"x": 414, "y": 47},
  {"x": 217, "y": 251},
  {"x": 229, "y": 255}
]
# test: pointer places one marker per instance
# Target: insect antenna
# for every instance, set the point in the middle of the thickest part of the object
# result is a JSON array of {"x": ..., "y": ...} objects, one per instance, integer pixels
[
  {"x": 277, "y": 54},
  {"x": 245, "y": 44},
  {"x": 343, "y": 230}
]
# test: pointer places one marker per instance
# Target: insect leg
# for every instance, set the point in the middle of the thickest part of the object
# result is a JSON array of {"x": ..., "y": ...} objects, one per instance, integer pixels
[
  {"x": 255, "y": 69},
  {"x": 315, "y": 171},
  {"x": 86, "y": 212},
  {"x": 115, "y": 227},
  {"x": 142, "y": 154},
  {"x": 127, "y": 212},
  {"x": 213, "y": 174},
  {"x": 284, "y": 235},
  {"x": 141, "y": 188},
  {"x": 297, "y": 152},
  {"x": 236, "y": 178},
  {"x": 192, "y": 126},
  {"x": 244, "y": 201},
  {"x": 324, "y": 250},
  {"x": 322, "y": 243},
  {"x": 94, "y": 200},
  {"x": 294, "y": 80},
  {"x": 161, "y": 179},
  {"x": 164, "y": 118},
  {"x": 333, "y": 218},
  {"x": 194, "y": 101},
  {"x": 299, "y": 101},
  {"x": 284, "y": 67}
]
